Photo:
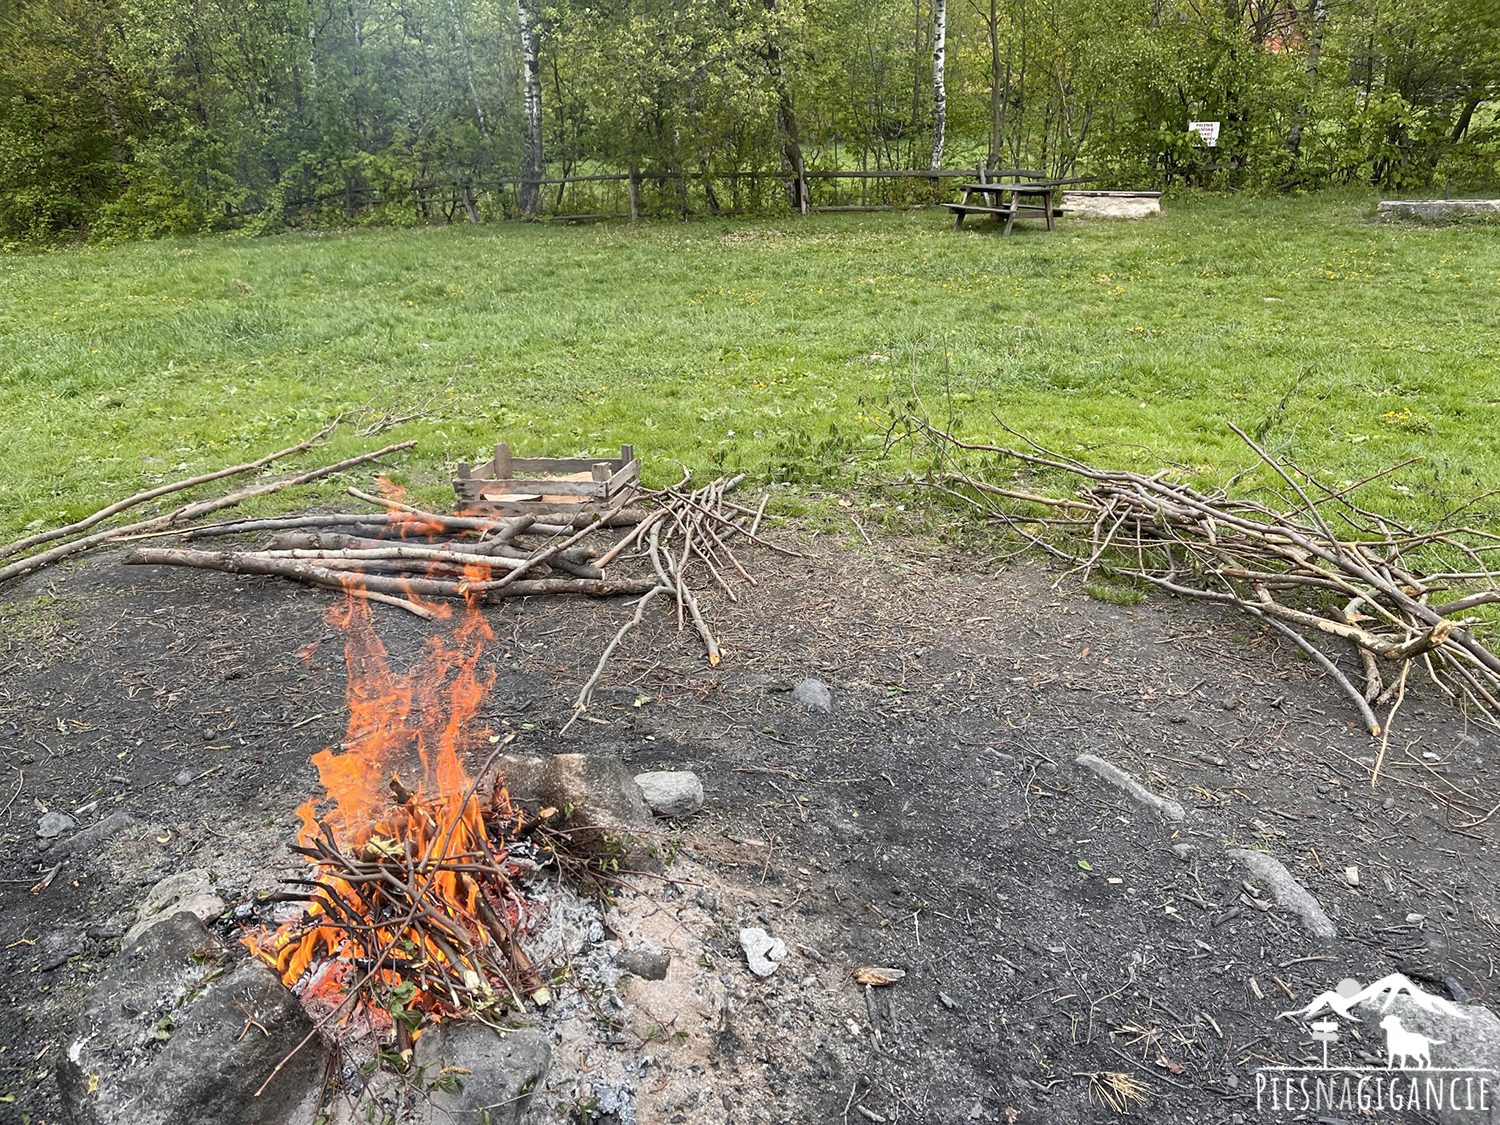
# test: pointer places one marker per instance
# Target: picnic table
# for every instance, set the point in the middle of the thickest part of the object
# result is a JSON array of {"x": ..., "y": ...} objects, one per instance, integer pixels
[{"x": 1022, "y": 194}]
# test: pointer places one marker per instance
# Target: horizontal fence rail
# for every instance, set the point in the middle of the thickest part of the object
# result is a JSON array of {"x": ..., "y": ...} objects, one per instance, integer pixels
[{"x": 666, "y": 192}]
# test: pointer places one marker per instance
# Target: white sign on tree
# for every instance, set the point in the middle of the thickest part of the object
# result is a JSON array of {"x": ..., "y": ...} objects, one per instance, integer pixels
[{"x": 1208, "y": 132}]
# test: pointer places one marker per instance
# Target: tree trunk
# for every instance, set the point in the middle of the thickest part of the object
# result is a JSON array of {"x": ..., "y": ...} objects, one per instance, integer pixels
[
  {"x": 1314, "y": 52},
  {"x": 531, "y": 168},
  {"x": 939, "y": 88},
  {"x": 998, "y": 94}
]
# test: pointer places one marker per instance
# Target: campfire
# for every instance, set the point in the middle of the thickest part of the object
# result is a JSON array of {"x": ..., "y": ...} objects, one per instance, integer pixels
[{"x": 412, "y": 910}]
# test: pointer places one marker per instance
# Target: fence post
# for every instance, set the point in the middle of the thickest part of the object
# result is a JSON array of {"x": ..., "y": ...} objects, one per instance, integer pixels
[{"x": 635, "y": 193}]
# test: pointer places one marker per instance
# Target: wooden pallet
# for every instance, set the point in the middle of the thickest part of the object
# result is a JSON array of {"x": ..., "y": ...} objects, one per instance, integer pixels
[{"x": 546, "y": 483}]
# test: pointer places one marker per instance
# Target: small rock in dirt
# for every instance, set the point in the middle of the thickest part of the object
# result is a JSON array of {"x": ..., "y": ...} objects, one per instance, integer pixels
[
  {"x": 947, "y": 1001},
  {"x": 1232, "y": 1082},
  {"x": 763, "y": 953},
  {"x": 53, "y": 824},
  {"x": 1168, "y": 810},
  {"x": 1184, "y": 852},
  {"x": 1388, "y": 804},
  {"x": 814, "y": 695},
  {"x": 1351, "y": 876},
  {"x": 91, "y": 837},
  {"x": 186, "y": 890},
  {"x": 503, "y": 1069},
  {"x": 1413, "y": 919},
  {"x": 673, "y": 793},
  {"x": 648, "y": 964},
  {"x": 183, "y": 778},
  {"x": 1290, "y": 893}
]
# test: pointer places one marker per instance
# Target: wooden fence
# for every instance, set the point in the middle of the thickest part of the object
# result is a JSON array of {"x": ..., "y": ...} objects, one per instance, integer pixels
[{"x": 746, "y": 191}]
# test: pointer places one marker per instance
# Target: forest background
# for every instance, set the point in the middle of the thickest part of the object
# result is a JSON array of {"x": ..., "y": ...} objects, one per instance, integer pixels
[{"x": 143, "y": 118}]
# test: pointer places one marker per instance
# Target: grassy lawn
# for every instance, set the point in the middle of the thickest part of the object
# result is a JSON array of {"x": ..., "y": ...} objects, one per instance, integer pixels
[{"x": 773, "y": 346}]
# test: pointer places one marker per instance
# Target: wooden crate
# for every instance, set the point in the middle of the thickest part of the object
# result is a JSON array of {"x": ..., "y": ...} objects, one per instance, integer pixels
[{"x": 514, "y": 485}]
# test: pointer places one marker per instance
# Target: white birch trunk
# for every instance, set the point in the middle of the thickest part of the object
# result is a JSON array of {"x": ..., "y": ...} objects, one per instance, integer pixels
[
  {"x": 531, "y": 170},
  {"x": 939, "y": 88}
]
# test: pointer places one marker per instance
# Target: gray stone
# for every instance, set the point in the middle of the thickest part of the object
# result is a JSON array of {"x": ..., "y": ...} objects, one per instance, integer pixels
[
  {"x": 185, "y": 777},
  {"x": 504, "y": 1069},
  {"x": 1184, "y": 852},
  {"x": 1289, "y": 893},
  {"x": 763, "y": 953},
  {"x": 597, "y": 799},
  {"x": 1168, "y": 810},
  {"x": 1437, "y": 210},
  {"x": 53, "y": 824},
  {"x": 165, "y": 1039},
  {"x": 186, "y": 890},
  {"x": 91, "y": 837},
  {"x": 646, "y": 963},
  {"x": 1470, "y": 1042},
  {"x": 814, "y": 695},
  {"x": 671, "y": 792}
]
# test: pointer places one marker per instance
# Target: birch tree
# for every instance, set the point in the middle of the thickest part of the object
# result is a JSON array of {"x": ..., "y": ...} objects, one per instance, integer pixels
[
  {"x": 939, "y": 86},
  {"x": 531, "y": 78}
]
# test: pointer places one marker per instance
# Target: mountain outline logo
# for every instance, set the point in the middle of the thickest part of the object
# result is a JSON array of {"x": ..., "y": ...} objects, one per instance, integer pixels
[
  {"x": 1408, "y": 1078},
  {"x": 1348, "y": 994}
]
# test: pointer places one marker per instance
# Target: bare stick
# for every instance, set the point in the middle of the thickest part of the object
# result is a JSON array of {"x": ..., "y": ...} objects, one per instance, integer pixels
[
  {"x": 759, "y": 512},
  {"x": 304, "y": 571},
  {"x": 698, "y": 622},
  {"x": 557, "y": 548},
  {"x": 1372, "y": 724},
  {"x": 1385, "y": 736},
  {"x": 634, "y": 537},
  {"x": 161, "y": 490},
  {"x": 188, "y": 512},
  {"x": 587, "y": 694}
]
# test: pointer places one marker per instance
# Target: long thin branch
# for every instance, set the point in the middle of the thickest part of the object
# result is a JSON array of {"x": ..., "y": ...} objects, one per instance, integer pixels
[
  {"x": 587, "y": 692},
  {"x": 161, "y": 490},
  {"x": 189, "y": 512}
]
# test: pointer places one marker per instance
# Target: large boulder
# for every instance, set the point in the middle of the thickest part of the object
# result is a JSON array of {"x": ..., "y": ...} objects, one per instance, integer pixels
[
  {"x": 174, "y": 1034},
  {"x": 477, "y": 1075},
  {"x": 1464, "y": 1042},
  {"x": 598, "y": 803}
]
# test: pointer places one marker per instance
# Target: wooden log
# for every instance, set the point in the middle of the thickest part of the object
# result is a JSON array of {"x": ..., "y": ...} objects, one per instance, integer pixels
[{"x": 305, "y": 571}]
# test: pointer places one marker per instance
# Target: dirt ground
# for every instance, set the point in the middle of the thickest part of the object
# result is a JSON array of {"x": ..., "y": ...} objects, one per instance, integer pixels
[{"x": 935, "y": 821}]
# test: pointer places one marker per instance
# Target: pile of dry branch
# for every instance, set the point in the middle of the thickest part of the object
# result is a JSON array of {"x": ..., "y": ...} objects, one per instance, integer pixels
[
  {"x": 1401, "y": 597},
  {"x": 664, "y": 541},
  {"x": 33, "y": 553}
]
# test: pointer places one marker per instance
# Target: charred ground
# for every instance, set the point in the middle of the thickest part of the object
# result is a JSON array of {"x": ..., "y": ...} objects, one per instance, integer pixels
[{"x": 934, "y": 821}]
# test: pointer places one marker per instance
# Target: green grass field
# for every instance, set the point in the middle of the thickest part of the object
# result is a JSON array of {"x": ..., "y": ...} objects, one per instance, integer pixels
[{"x": 774, "y": 346}]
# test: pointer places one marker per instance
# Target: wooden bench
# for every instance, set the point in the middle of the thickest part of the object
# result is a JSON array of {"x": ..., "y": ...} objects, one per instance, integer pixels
[{"x": 1030, "y": 196}]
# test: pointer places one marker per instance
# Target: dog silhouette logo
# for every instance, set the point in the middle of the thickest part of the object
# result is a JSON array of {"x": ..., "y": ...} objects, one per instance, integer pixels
[{"x": 1412, "y": 1049}]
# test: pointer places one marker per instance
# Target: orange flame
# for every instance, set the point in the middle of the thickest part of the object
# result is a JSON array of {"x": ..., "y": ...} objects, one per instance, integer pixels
[{"x": 432, "y": 831}]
